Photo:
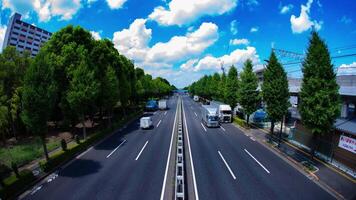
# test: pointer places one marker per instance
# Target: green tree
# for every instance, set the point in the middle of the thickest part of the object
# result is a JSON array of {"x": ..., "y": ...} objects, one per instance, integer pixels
[
  {"x": 248, "y": 95},
  {"x": 39, "y": 96},
  {"x": 83, "y": 89},
  {"x": 231, "y": 87},
  {"x": 319, "y": 97},
  {"x": 222, "y": 87},
  {"x": 275, "y": 92},
  {"x": 111, "y": 92}
]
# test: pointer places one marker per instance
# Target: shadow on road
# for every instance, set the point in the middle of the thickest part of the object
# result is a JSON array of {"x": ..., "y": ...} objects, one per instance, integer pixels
[{"x": 81, "y": 167}]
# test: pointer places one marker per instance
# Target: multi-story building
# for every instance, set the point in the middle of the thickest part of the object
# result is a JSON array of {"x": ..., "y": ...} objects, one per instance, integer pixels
[{"x": 24, "y": 36}]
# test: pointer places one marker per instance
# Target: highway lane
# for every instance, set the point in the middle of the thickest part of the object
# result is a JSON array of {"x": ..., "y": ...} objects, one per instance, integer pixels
[
  {"x": 135, "y": 170},
  {"x": 220, "y": 154}
]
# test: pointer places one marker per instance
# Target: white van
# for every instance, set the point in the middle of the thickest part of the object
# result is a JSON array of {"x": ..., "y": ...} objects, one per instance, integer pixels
[{"x": 146, "y": 122}]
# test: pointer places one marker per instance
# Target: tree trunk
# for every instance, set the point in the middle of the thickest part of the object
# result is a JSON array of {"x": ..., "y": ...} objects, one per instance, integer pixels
[
  {"x": 247, "y": 120},
  {"x": 271, "y": 130},
  {"x": 84, "y": 129},
  {"x": 45, "y": 151},
  {"x": 314, "y": 145},
  {"x": 280, "y": 133}
]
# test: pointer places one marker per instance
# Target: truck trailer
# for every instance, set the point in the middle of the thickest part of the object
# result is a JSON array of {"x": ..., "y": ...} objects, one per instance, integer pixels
[
  {"x": 210, "y": 116},
  {"x": 162, "y": 104},
  {"x": 224, "y": 111}
]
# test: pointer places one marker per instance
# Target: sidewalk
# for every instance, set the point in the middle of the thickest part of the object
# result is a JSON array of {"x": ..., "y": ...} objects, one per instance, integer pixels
[{"x": 326, "y": 175}]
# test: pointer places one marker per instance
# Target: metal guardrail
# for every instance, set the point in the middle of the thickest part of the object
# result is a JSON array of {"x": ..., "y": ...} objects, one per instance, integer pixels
[{"x": 180, "y": 167}]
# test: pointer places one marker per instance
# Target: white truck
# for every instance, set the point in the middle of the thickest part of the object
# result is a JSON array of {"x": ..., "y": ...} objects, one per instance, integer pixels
[
  {"x": 224, "y": 111},
  {"x": 210, "y": 116},
  {"x": 196, "y": 98},
  {"x": 146, "y": 123},
  {"x": 162, "y": 104}
]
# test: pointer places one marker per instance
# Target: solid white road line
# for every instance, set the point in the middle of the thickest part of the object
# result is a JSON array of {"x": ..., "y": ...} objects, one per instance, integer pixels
[
  {"x": 159, "y": 123},
  {"x": 116, "y": 149},
  {"x": 169, "y": 154},
  {"x": 141, "y": 150},
  {"x": 227, "y": 166},
  {"x": 222, "y": 128},
  {"x": 252, "y": 138},
  {"x": 196, "y": 114},
  {"x": 203, "y": 126},
  {"x": 165, "y": 113},
  {"x": 257, "y": 161},
  {"x": 190, "y": 155}
]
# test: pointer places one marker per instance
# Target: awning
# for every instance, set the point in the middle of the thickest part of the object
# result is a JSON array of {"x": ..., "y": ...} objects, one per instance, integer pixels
[{"x": 346, "y": 125}]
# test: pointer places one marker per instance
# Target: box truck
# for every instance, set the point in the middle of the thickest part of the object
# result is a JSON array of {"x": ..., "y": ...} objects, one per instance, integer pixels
[
  {"x": 210, "y": 116},
  {"x": 162, "y": 104},
  {"x": 151, "y": 105},
  {"x": 146, "y": 122},
  {"x": 224, "y": 111}
]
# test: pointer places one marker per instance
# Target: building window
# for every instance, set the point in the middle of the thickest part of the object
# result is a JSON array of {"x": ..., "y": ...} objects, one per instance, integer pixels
[
  {"x": 20, "y": 46},
  {"x": 15, "y": 33},
  {"x": 16, "y": 27}
]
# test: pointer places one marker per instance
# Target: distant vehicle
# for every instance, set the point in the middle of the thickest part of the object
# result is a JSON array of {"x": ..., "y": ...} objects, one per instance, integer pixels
[
  {"x": 146, "y": 122},
  {"x": 162, "y": 104},
  {"x": 151, "y": 105},
  {"x": 224, "y": 111},
  {"x": 210, "y": 116},
  {"x": 196, "y": 98}
]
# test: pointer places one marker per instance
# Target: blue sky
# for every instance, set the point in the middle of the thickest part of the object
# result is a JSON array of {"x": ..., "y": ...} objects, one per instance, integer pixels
[{"x": 182, "y": 40}]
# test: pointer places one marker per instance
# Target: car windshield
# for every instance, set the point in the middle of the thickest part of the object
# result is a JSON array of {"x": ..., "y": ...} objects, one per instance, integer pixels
[
  {"x": 226, "y": 112},
  {"x": 213, "y": 118}
]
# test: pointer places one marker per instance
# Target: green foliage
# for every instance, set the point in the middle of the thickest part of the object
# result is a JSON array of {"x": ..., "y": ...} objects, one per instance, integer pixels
[
  {"x": 240, "y": 122},
  {"x": 14, "y": 185},
  {"x": 232, "y": 84},
  {"x": 319, "y": 97},
  {"x": 275, "y": 91},
  {"x": 248, "y": 95}
]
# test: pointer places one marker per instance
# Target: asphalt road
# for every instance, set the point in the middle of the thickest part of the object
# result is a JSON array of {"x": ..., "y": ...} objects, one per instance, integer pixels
[
  {"x": 227, "y": 164},
  {"x": 230, "y": 165},
  {"x": 127, "y": 165}
]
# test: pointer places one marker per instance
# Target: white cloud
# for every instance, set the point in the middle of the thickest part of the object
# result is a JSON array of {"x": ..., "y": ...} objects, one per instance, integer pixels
[
  {"x": 209, "y": 62},
  {"x": 2, "y": 36},
  {"x": 182, "y": 47},
  {"x": 254, "y": 29},
  {"x": 347, "y": 69},
  {"x": 96, "y": 35},
  {"x": 233, "y": 27},
  {"x": 45, "y": 9},
  {"x": 133, "y": 42},
  {"x": 115, "y": 4},
  {"x": 91, "y": 1},
  {"x": 285, "y": 9},
  {"x": 303, "y": 22},
  {"x": 242, "y": 41},
  {"x": 180, "y": 12},
  {"x": 345, "y": 20}
]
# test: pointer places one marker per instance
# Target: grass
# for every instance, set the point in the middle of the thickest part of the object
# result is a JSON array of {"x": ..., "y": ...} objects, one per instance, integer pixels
[
  {"x": 241, "y": 122},
  {"x": 25, "y": 151}
]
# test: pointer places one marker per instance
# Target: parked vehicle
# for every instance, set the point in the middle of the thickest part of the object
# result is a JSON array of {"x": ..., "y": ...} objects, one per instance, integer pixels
[
  {"x": 224, "y": 111},
  {"x": 162, "y": 104},
  {"x": 196, "y": 98},
  {"x": 210, "y": 116},
  {"x": 151, "y": 105},
  {"x": 146, "y": 122}
]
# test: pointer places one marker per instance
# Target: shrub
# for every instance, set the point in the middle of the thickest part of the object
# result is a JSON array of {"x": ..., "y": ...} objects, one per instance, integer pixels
[
  {"x": 15, "y": 169},
  {"x": 77, "y": 139},
  {"x": 240, "y": 122},
  {"x": 14, "y": 185},
  {"x": 64, "y": 145}
]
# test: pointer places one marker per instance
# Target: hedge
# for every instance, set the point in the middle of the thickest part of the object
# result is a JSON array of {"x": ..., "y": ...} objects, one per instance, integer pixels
[
  {"x": 13, "y": 185},
  {"x": 240, "y": 122}
]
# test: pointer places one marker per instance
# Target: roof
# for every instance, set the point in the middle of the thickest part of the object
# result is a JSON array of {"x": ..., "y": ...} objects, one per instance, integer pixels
[
  {"x": 346, "y": 125},
  {"x": 144, "y": 118}
]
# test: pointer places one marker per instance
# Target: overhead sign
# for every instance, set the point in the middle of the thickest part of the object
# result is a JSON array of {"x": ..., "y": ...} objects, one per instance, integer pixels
[{"x": 347, "y": 143}]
